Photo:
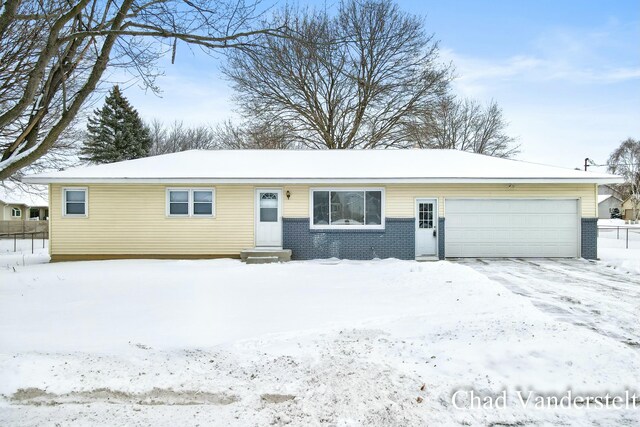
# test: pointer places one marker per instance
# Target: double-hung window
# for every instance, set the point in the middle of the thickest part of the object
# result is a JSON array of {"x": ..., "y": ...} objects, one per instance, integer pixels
[
  {"x": 74, "y": 202},
  {"x": 178, "y": 202},
  {"x": 347, "y": 208},
  {"x": 197, "y": 202},
  {"x": 202, "y": 202}
]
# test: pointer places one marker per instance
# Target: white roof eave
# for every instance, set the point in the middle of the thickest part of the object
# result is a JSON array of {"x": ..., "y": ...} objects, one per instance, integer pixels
[{"x": 435, "y": 180}]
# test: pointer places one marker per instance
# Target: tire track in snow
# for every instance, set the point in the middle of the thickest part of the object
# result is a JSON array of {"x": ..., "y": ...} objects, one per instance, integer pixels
[{"x": 586, "y": 294}]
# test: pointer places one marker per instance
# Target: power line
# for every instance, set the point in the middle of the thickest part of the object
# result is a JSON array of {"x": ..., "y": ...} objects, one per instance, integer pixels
[{"x": 588, "y": 163}]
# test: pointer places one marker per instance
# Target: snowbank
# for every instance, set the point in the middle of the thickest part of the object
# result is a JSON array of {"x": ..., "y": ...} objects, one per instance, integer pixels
[
  {"x": 22, "y": 254},
  {"x": 614, "y": 253},
  {"x": 616, "y": 223}
]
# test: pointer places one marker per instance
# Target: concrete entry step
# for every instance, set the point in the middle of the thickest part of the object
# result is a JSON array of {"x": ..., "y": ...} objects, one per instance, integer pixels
[
  {"x": 261, "y": 259},
  {"x": 265, "y": 255},
  {"x": 422, "y": 258}
]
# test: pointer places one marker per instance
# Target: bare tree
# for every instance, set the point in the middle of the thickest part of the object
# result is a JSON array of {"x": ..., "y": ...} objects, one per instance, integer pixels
[
  {"x": 344, "y": 81},
  {"x": 54, "y": 53},
  {"x": 257, "y": 135},
  {"x": 178, "y": 137},
  {"x": 62, "y": 155},
  {"x": 463, "y": 125},
  {"x": 625, "y": 161}
]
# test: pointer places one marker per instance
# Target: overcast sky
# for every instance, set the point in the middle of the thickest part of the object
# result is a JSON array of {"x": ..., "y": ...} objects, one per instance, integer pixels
[{"x": 566, "y": 73}]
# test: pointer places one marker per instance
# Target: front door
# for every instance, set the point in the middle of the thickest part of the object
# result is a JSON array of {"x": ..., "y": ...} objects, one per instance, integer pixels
[
  {"x": 268, "y": 218},
  {"x": 426, "y": 227}
]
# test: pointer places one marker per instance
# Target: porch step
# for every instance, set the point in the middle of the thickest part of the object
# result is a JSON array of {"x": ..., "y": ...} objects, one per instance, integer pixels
[
  {"x": 427, "y": 258},
  {"x": 262, "y": 256},
  {"x": 261, "y": 259}
]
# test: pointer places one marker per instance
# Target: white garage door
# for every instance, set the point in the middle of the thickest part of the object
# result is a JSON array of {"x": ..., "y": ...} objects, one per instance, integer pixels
[{"x": 511, "y": 228}]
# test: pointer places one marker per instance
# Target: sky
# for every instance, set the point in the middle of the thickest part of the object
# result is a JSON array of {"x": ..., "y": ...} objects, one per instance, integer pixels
[{"x": 566, "y": 73}]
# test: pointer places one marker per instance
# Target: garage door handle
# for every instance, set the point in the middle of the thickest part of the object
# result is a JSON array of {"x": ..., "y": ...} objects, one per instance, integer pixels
[{"x": 434, "y": 232}]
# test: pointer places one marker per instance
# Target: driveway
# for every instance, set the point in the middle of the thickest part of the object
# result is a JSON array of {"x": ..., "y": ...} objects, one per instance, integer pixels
[{"x": 585, "y": 293}]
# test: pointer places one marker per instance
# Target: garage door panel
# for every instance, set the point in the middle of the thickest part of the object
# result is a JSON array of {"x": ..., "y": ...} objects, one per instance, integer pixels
[
  {"x": 511, "y": 228},
  {"x": 509, "y": 236},
  {"x": 513, "y": 205},
  {"x": 512, "y": 251}
]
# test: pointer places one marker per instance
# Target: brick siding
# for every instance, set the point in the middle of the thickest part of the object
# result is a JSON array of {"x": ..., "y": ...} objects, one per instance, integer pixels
[
  {"x": 397, "y": 240},
  {"x": 589, "y": 238}
]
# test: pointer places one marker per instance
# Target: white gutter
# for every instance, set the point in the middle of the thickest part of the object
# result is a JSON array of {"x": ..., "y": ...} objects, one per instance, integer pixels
[{"x": 513, "y": 180}]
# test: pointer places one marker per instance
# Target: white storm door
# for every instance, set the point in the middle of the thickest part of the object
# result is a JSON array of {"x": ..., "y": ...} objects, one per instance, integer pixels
[
  {"x": 268, "y": 217},
  {"x": 426, "y": 227}
]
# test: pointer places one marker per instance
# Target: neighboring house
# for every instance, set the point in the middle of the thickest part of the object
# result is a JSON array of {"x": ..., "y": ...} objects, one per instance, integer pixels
[
  {"x": 628, "y": 211},
  {"x": 606, "y": 203},
  {"x": 610, "y": 190},
  {"x": 11, "y": 211},
  {"x": 625, "y": 203},
  {"x": 355, "y": 204},
  {"x": 20, "y": 204}
]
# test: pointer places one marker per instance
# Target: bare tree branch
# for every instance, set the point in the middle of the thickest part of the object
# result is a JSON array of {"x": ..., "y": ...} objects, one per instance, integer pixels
[
  {"x": 463, "y": 125},
  {"x": 625, "y": 161},
  {"x": 344, "y": 81},
  {"x": 54, "y": 53},
  {"x": 254, "y": 135}
]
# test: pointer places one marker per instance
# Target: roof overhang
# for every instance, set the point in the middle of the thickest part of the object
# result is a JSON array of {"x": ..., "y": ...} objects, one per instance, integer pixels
[{"x": 468, "y": 180}]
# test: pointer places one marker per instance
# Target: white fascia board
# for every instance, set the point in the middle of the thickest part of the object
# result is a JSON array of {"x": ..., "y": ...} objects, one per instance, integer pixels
[{"x": 261, "y": 181}]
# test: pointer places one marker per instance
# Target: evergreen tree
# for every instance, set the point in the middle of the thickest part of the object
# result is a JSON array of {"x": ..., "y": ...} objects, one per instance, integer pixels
[{"x": 115, "y": 132}]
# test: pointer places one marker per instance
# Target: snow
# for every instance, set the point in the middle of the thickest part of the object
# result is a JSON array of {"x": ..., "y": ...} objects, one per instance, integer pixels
[
  {"x": 603, "y": 197},
  {"x": 612, "y": 247},
  {"x": 343, "y": 343},
  {"x": 23, "y": 252},
  {"x": 317, "y": 165},
  {"x": 616, "y": 223},
  {"x": 580, "y": 292}
]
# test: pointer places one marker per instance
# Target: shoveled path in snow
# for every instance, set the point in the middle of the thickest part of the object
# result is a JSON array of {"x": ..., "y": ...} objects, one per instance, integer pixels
[{"x": 585, "y": 293}]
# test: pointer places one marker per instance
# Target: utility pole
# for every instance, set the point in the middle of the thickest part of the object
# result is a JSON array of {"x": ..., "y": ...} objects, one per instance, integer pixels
[{"x": 588, "y": 162}]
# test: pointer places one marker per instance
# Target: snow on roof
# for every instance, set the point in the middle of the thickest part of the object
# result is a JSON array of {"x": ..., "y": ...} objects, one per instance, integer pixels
[
  {"x": 603, "y": 197},
  {"x": 235, "y": 166},
  {"x": 32, "y": 195}
]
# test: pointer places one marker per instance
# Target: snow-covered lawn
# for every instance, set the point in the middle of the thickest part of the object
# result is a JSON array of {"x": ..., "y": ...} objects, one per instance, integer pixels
[
  {"x": 219, "y": 342},
  {"x": 22, "y": 255},
  {"x": 612, "y": 248}
]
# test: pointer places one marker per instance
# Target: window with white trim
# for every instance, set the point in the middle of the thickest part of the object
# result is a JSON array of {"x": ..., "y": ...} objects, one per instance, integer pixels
[
  {"x": 347, "y": 208},
  {"x": 197, "y": 202},
  {"x": 75, "y": 201},
  {"x": 178, "y": 202},
  {"x": 202, "y": 202},
  {"x": 16, "y": 212}
]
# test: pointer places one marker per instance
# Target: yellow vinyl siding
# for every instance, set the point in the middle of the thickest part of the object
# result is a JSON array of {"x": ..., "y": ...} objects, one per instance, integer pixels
[
  {"x": 400, "y": 198},
  {"x": 297, "y": 206},
  {"x": 131, "y": 219}
]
